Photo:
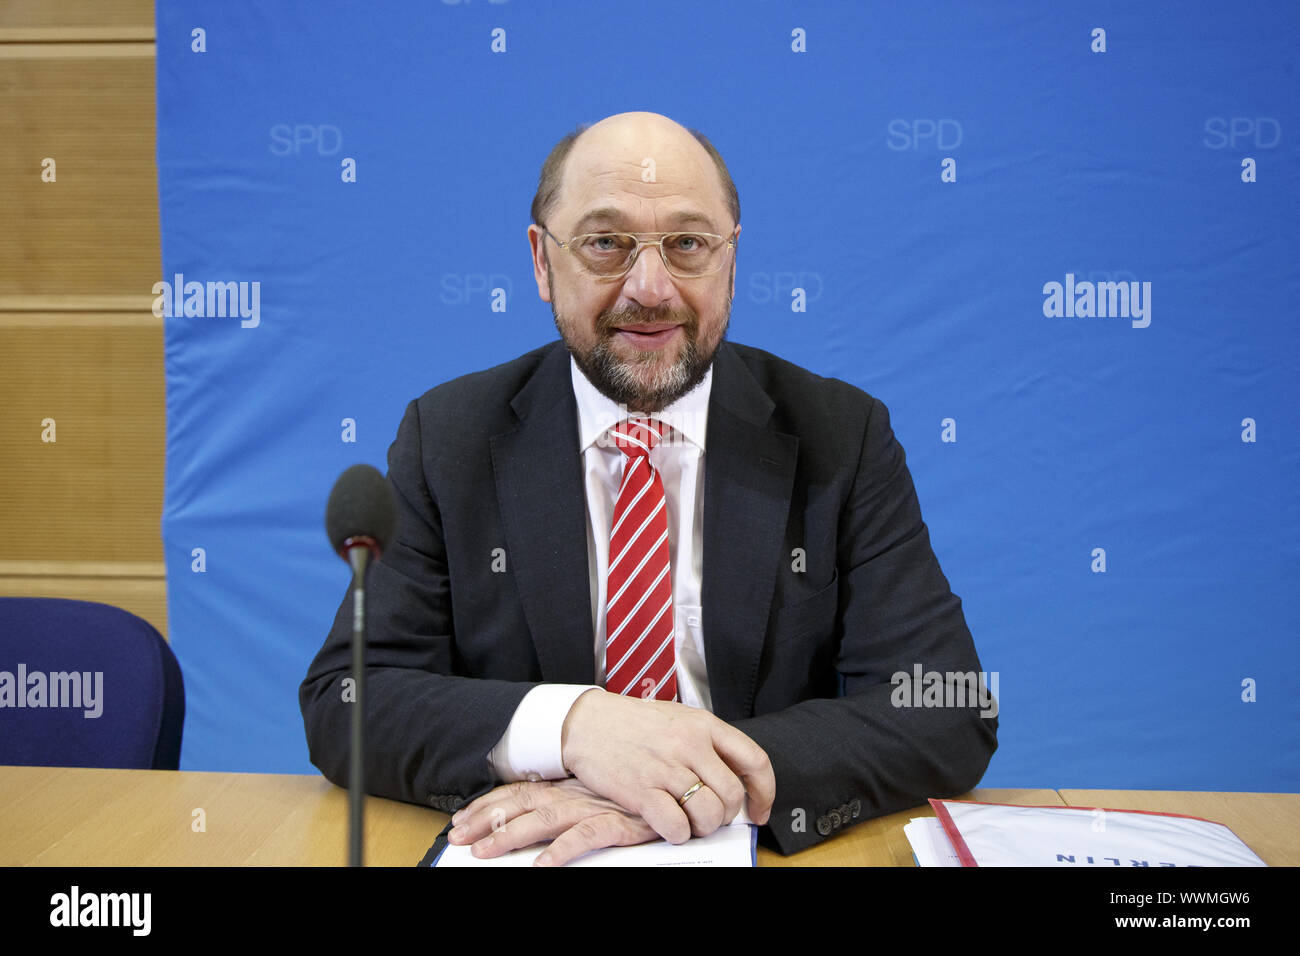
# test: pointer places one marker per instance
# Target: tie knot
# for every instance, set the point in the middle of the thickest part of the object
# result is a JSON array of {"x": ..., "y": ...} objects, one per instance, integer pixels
[{"x": 636, "y": 436}]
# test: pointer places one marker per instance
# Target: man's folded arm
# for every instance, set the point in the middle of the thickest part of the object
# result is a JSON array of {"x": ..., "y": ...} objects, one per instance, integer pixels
[
  {"x": 429, "y": 730},
  {"x": 839, "y": 761}
]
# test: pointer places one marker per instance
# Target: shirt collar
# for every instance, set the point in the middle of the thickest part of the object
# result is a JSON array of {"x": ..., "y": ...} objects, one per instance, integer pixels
[{"x": 597, "y": 412}]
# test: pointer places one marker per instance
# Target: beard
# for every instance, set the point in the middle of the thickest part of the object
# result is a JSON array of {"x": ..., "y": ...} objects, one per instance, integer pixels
[{"x": 642, "y": 384}]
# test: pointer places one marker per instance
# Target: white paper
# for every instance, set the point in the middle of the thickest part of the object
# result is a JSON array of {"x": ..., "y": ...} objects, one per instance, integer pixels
[
  {"x": 930, "y": 843},
  {"x": 999, "y": 835}
]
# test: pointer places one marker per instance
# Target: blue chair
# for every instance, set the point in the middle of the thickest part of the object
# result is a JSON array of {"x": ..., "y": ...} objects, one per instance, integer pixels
[{"x": 86, "y": 685}]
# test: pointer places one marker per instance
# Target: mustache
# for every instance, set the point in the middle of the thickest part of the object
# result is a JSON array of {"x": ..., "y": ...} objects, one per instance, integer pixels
[{"x": 626, "y": 318}]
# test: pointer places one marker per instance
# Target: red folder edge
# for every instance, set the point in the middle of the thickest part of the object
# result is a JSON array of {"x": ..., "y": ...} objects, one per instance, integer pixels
[{"x": 950, "y": 828}]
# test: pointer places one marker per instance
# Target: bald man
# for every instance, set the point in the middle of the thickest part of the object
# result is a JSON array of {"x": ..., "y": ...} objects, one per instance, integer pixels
[{"x": 643, "y": 578}]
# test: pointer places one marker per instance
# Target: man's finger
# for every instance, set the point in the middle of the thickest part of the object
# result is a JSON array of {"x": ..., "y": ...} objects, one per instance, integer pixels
[
  {"x": 595, "y": 833},
  {"x": 664, "y": 814},
  {"x": 494, "y": 810},
  {"x": 749, "y": 762},
  {"x": 499, "y": 794},
  {"x": 724, "y": 783},
  {"x": 536, "y": 826},
  {"x": 705, "y": 811}
]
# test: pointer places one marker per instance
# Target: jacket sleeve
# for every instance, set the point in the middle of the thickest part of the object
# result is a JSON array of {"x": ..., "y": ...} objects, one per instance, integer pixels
[
  {"x": 428, "y": 729},
  {"x": 873, "y": 751}
]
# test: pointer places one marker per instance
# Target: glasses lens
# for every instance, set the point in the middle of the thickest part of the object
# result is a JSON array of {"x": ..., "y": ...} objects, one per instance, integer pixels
[
  {"x": 606, "y": 254},
  {"x": 690, "y": 254}
]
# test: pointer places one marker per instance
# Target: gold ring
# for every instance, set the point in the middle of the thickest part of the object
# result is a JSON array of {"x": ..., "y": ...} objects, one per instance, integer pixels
[{"x": 691, "y": 792}]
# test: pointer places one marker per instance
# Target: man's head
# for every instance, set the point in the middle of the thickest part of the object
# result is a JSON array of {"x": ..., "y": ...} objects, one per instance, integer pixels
[{"x": 647, "y": 337}]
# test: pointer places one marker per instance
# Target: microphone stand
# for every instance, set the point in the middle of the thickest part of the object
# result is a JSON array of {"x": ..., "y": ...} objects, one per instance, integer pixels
[
  {"x": 360, "y": 518},
  {"x": 358, "y": 550}
]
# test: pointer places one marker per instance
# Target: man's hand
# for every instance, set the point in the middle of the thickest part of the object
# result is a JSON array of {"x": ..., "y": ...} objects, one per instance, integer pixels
[
  {"x": 516, "y": 815},
  {"x": 645, "y": 755}
]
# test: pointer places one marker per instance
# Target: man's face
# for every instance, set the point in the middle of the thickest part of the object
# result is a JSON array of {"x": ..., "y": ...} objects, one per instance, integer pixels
[{"x": 648, "y": 337}]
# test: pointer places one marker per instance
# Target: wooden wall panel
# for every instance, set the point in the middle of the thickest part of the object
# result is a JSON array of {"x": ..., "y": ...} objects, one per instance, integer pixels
[
  {"x": 95, "y": 493},
  {"x": 77, "y": 19},
  {"x": 95, "y": 229}
]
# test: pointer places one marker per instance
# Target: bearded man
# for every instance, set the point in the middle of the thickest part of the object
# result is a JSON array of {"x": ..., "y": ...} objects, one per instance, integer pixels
[{"x": 645, "y": 579}]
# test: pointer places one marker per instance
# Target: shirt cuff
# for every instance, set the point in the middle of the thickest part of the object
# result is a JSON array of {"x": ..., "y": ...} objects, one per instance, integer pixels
[{"x": 530, "y": 747}]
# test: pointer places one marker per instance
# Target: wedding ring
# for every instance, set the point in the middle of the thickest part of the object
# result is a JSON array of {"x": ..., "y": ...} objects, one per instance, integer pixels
[{"x": 691, "y": 792}]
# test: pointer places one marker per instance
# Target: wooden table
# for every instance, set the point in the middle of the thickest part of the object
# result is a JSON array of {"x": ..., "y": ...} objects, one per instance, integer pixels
[{"x": 57, "y": 816}]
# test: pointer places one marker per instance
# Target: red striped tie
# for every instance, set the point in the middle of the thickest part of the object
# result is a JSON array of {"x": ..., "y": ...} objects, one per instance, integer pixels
[{"x": 640, "y": 658}]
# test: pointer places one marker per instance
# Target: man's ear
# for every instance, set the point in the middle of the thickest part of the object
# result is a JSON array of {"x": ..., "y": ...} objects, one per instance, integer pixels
[{"x": 537, "y": 242}]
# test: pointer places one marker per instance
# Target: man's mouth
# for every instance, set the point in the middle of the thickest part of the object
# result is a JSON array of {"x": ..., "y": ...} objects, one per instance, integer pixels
[{"x": 649, "y": 336}]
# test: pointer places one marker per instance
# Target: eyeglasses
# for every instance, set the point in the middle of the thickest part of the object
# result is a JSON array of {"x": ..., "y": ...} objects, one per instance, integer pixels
[{"x": 610, "y": 255}]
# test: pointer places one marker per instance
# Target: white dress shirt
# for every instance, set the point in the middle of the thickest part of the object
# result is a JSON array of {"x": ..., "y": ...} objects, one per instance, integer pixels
[{"x": 530, "y": 747}]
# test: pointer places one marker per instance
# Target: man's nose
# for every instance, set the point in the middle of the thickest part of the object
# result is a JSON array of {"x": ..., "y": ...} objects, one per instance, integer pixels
[{"x": 648, "y": 281}]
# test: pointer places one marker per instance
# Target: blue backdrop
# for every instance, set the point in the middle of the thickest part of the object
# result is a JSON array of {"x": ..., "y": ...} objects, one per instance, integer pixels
[{"x": 1110, "y": 486}]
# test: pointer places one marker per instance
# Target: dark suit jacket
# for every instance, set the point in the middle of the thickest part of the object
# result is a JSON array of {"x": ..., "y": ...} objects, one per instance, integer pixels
[{"x": 800, "y": 651}]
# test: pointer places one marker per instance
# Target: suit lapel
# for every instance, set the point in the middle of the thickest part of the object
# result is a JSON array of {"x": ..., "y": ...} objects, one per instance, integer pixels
[
  {"x": 748, "y": 477},
  {"x": 539, "y": 486}
]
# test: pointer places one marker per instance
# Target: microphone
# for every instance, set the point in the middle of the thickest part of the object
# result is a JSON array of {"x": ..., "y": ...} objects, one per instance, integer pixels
[
  {"x": 360, "y": 511},
  {"x": 359, "y": 518}
]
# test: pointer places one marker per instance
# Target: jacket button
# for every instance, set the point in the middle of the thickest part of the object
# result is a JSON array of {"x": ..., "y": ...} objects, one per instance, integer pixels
[
  {"x": 836, "y": 819},
  {"x": 855, "y": 808},
  {"x": 824, "y": 826}
]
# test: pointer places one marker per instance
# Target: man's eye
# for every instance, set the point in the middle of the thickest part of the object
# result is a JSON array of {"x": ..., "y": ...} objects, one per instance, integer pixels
[
  {"x": 610, "y": 243},
  {"x": 689, "y": 243}
]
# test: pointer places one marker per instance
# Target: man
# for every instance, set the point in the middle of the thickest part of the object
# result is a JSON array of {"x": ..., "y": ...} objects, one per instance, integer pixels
[{"x": 643, "y": 578}]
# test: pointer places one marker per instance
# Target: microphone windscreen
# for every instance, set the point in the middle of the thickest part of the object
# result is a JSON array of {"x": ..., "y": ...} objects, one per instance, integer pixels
[{"x": 360, "y": 504}]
